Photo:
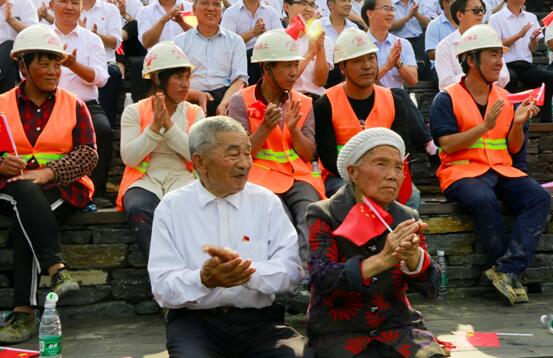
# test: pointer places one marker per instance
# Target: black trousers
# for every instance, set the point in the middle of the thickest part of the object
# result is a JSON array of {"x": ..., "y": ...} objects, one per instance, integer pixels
[
  {"x": 423, "y": 62},
  {"x": 532, "y": 76},
  {"x": 217, "y": 95},
  {"x": 104, "y": 143},
  {"x": 140, "y": 205},
  {"x": 34, "y": 229},
  {"x": 254, "y": 69},
  {"x": 132, "y": 46},
  {"x": 8, "y": 67},
  {"x": 108, "y": 96},
  {"x": 232, "y": 332}
]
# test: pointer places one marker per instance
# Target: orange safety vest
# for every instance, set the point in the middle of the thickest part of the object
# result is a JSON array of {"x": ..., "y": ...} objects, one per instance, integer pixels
[
  {"x": 344, "y": 119},
  {"x": 276, "y": 165},
  {"x": 489, "y": 151},
  {"x": 132, "y": 174},
  {"x": 56, "y": 139}
]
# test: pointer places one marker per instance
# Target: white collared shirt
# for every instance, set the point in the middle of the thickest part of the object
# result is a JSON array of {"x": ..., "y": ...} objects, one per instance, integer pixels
[
  {"x": 238, "y": 19},
  {"x": 24, "y": 11},
  {"x": 108, "y": 21},
  {"x": 449, "y": 69},
  {"x": 38, "y": 4},
  {"x": 90, "y": 52},
  {"x": 330, "y": 31},
  {"x": 149, "y": 15},
  {"x": 218, "y": 61},
  {"x": 133, "y": 7},
  {"x": 508, "y": 24},
  {"x": 251, "y": 222},
  {"x": 305, "y": 83}
]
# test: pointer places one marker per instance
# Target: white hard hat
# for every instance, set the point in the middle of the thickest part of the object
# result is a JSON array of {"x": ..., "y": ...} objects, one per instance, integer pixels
[
  {"x": 275, "y": 45},
  {"x": 353, "y": 43},
  {"x": 163, "y": 56},
  {"x": 479, "y": 37},
  {"x": 37, "y": 38}
]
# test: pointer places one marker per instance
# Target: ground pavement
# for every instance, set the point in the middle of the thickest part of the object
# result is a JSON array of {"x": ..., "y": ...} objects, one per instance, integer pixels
[{"x": 143, "y": 336}]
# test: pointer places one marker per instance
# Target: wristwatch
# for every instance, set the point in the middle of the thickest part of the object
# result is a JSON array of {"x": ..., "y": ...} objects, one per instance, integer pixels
[{"x": 399, "y": 65}]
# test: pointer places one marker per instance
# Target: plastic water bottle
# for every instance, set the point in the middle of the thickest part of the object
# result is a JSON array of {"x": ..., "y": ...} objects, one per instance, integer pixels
[
  {"x": 315, "y": 169},
  {"x": 547, "y": 321},
  {"x": 128, "y": 99},
  {"x": 49, "y": 332},
  {"x": 442, "y": 291}
]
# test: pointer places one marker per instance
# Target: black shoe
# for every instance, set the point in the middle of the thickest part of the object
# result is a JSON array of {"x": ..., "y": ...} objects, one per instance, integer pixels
[
  {"x": 102, "y": 203},
  {"x": 19, "y": 328}
]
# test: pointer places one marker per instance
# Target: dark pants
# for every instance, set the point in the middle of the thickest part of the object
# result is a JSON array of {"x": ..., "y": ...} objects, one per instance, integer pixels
[
  {"x": 532, "y": 76},
  {"x": 8, "y": 67},
  {"x": 254, "y": 69},
  {"x": 42, "y": 234},
  {"x": 140, "y": 205},
  {"x": 334, "y": 77},
  {"x": 132, "y": 46},
  {"x": 423, "y": 62},
  {"x": 104, "y": 142},
  {"x": 109, "y": 94},
  {"x": 232, "y": 332},
  {"x": 139, "y": 86},
  {"x": 524, "y": 196},
  {"x": 217, "y": 95}
]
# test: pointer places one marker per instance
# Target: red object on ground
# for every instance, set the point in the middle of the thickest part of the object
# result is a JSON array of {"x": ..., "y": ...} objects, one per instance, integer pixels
[
  {"x": 483, "y": 339},
  {"x": 362, "y": 223},
  {"x": 537, "y": 93},
  {"x": 6, "y": 352},
  {"x": 296, "y": 27}
]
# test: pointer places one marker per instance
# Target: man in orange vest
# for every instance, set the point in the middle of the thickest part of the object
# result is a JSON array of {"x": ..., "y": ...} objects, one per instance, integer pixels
[
  {"x": 354, "y": 104},
  {"x": 43, "y": 171},
  {"x": 478, "y": 131},
  {"x": 281, "y": 126}
]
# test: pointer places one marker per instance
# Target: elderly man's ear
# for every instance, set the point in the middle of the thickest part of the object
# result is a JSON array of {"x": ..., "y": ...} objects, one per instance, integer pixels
[
  {"x": 198, "y": 161},
  {"x": 353, "y": 172}
]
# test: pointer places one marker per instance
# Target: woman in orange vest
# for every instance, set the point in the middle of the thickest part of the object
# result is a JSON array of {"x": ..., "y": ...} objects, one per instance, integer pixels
[
  {"x": 154, "y": 139},
  {"x": 48, "y": 146},
  {"x": 478, "y": 131}
]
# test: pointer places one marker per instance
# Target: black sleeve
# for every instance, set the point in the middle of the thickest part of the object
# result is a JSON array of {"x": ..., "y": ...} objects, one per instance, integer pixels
[
  {"x": 325, "y": 137},
  {"x": 418, "y": 133},
  {"x": 442, "y": 120},
  {"x": 401, "y": 123}
]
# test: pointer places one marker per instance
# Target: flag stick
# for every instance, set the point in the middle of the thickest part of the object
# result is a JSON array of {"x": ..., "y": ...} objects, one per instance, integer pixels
[{"x": 373, "y": 209}]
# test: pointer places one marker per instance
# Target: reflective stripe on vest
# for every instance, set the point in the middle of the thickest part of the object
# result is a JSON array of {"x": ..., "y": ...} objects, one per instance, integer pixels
[
  {"x": 279, "y": 157},
  {"x": 142, "y": 167}
]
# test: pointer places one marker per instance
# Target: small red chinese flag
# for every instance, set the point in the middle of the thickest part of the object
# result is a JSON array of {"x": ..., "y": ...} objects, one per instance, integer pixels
[
  {"x": 296, "y": 27},
  {"x": 365, "y": 221},
  {"x": 537, "y": 93},
  {"x": 548, "y": 19},
  {"x": 6, "y": 140},
  {"x": 257, "y": 110},
  {"x": 407, "y": 187}
]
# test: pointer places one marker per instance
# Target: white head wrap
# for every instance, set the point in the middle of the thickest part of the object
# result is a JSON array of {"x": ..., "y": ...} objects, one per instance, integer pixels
[{"x": 364, "y": 141}]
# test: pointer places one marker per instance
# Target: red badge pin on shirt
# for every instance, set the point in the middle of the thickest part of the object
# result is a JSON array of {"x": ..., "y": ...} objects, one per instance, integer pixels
[{"x": 246, "y": 238}]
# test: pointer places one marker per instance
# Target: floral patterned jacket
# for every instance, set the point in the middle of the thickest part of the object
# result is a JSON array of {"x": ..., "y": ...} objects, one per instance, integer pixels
[{"x": 347, "y": 313}]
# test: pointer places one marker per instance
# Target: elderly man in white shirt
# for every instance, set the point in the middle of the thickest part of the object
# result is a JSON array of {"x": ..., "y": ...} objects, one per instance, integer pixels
[
  {"x": 15, "y": 15},
  {"x": 218, "y": 267},
  {"x": 84, "y": 71},
  {"x": 45, "y": 14},
  {"x": 249, "y": 19},
  {"x": 520, "y": 31},
  {"x": 465, "y": 13},
  {"x": 102, "y": 18},
  {"x": 218, "y": 56},
  {"x": 162, "y": 20}
]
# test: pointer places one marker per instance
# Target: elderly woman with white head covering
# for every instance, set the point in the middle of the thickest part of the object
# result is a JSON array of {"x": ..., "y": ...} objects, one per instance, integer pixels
[{"x": 365, "y": 250}]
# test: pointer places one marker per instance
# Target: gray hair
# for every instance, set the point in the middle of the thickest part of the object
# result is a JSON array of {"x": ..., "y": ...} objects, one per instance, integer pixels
[{"x": 202, "y": 133}]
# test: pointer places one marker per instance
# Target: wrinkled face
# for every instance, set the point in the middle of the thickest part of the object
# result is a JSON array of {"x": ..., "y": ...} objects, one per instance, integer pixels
[
  {"x": 379, "y": 174},
  {"x": 472, "y": 14},
  {"x": 382, "y": 15},
  {"x": 178, "y": 85},
  {"x": 224, "y": 168},
  {"x": 45, "y": 72},
  {"x": 285, "y": 73},
  {"x": 361, "y": 71},
  {"x": 491, "y": 62},
  {"x": 66, "y": 12},
  {"x": 208, "y": 12},
  {"x": 339, "y": 7}
]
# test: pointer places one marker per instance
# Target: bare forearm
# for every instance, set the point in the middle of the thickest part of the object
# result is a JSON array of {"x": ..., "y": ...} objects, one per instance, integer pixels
[
  {"x": 423, "y": 20},
  {"x": 511, "y": 40},
  {"x": 233, "y": 88},
  {"x": 320, "y": 75},
  {"x": 533, "y": 45},
  {"x": 151, "y": 37},
  {"x": 396, "y": 25},
  {"x": 16, "y": 24},
  {"x": 458, "y": 141},
  {"x": 516, "y": 138},
  {"x": 302, "y": 145},
  {"x": 109, "y": 41},
  {"x": 258, "y": 138},
  {"x": 373, "y": 266},
  {"x": 247, "y": 36},
  {"x": 409, "y": 75},
  {"x": 85, "y": 72}
]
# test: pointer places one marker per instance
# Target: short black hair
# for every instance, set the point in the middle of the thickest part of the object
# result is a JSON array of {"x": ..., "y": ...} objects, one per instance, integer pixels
[
  {"x": 163, "y": 77},
  {"x": 464, "y": 63},
  {"x": 460, "y": 5},
  {"x": 28, "y": 58},
  {"x": 367, "y": 5}
]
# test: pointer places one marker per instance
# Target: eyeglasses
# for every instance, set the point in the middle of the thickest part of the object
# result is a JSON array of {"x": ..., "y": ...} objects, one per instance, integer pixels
[
  {"x": 305, "y": 3},
  {"x": 210, "y": 3},
  {"x": 386, "y": 8},
  {"x": 476, "y": 10}
]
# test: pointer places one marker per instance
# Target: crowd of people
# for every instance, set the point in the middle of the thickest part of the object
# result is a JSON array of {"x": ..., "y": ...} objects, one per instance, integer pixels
[{"x": 268, "y": 148}]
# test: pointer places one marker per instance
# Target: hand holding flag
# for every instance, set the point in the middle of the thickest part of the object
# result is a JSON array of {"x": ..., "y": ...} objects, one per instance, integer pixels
[
  {"x": 537, "y": 94},
  {"x": 548, "y": 19}
]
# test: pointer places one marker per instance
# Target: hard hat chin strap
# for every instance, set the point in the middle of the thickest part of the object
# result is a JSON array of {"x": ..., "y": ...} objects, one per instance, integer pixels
[{"x": 275, "y": 82}]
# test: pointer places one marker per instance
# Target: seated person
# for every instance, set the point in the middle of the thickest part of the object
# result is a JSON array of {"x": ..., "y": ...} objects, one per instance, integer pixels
[
  {"x": 521, "y": 31},
  {"x": 437, "y": 30},
  {"x": 161, "y": 20},
  {"x": 218, "y": 56},
  {"x": 14, "y": 17},
  {"x": 316, "y": 50},
  {"x": 478, "y": 130},
  {"x": 466, "y": 14},
  {"x": 44, "y": 179},
  {"x": 249, "y": 19},
  {"x": 83, "y": 72},
  {"x": 44, "y": 13},
  {"x": 358, "y": 305},
  {"x": 154, "y": 140},
  {"x": 492, "y": 7},
  {"x": 222, "y": 304},
  {"x": 355, "y": 104},
  {"x": 283, "y": 135}
]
